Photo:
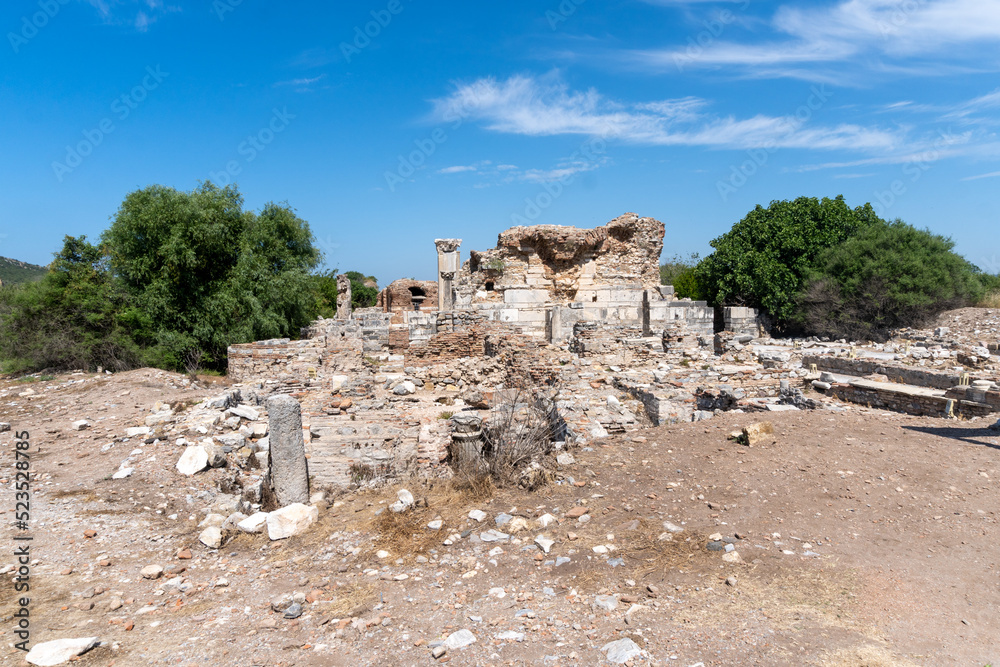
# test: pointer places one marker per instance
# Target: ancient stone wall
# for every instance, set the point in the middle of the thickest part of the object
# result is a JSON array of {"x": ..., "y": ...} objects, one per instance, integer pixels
[
  {"x": 741, "y": 320},
  {"x": 555, "y": 264},
  {"x": 290, "y": 362},
  {"x": 917, "y": 376},
  {"x": 592, "y": 339},
  {"x": 898, "y": 399}
]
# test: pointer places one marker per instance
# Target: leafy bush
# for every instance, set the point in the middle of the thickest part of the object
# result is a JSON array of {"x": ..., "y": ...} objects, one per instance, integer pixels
[
  {"x": 70, "y": 319},
  {"x": 176, "y": 279},
  {"x": 763, "y": 260},
  {"x": 991, "y": 288},
  {"x": 887, "y": 276},
  {"x": 681, "y": 273},
  {"x": 364, "y": 290}
]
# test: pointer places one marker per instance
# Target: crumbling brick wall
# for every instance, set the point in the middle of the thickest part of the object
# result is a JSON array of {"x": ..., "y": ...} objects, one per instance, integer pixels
[{"x": 407, "y": 295}]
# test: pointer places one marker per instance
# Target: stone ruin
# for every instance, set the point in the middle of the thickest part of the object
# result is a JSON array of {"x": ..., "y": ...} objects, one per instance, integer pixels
[{"x": 395, "y": 389}]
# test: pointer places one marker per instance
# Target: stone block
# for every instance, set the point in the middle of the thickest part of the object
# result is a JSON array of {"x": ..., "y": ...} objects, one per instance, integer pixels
[{"x": 525, "y": 296}]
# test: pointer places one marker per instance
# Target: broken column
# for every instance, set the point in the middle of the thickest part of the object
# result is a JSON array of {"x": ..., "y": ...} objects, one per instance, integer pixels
[
  {"x": 289, "y": 470},
  {"x": 449, "y": 261},
  {"x": 343, "y": 297}
]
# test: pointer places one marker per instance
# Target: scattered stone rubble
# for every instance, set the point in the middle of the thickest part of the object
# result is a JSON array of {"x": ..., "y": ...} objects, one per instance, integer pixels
[
  {"x": 574, "y": 318},
  {"x": 404, "y": 387}
]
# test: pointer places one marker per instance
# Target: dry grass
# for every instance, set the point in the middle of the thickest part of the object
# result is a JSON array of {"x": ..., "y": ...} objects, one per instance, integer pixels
[
  {"x": 472, "y": 488},
  {"x": 84, "y": 495},
  {"x": 405, "y": 534},
  {"x": 792, "y": 599},
  {"x": 650, "y": 555},
  {"x": 352, "y": 600},
  {"x": 991, "y": 300},
  {"x": 863, "y": 656}
]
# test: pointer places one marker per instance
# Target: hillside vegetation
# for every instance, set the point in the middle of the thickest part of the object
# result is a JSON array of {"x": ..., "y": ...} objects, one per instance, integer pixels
[{"x": 14, "y": 271}]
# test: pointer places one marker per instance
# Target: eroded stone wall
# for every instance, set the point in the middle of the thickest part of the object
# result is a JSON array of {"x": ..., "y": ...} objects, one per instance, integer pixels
[{"x": 566, "y": 264}]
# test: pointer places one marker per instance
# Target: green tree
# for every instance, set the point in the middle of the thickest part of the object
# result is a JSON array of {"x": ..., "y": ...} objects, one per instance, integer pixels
[
  {"x": 206, "y": 274},
  {"x": 70, "y": 319},
  {"x": 176, "y": 279},
  {"x": 364, "y": 290},
  {"x": 762, "y": 261},
  {"x": 681, "y": 273},
  {"x": 887, "y": 276}
]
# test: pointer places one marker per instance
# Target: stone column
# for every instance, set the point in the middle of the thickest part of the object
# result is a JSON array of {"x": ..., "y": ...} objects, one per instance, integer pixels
[
  {"x": 555, "y": 325},
  {"x": 343, "y": 297},
  {"x": 289, "y": 470},
  {"x": 449, "y": 262}
]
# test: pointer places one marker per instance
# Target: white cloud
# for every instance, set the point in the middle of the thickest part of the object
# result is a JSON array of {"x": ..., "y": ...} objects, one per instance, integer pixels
[
  {"x": 860, "y": 33},
  {"x": 302, "y": 83},
  {"x": 458, "y": 169},
  {"x": 992, "y": 174},
  {"x": 546, "y": 107},
  {"x": 560, "y": 172},
  {"x": 140, "y": 14}
]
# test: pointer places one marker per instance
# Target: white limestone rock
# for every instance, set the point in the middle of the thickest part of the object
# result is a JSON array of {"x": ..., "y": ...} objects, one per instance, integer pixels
[
  {"x": 291, "y": 520},
  {"x": 211, "y": 537},
  {"x": 254, "y": 523},
  {"x": 59, "y": 651},
  {"x": 192, "y": 461}
]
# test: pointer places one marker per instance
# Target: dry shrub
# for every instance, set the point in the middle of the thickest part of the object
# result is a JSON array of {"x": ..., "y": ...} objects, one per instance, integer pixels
[
  {"x": 649, "y": 554},
  {"x": 991, "y": 300},
  {"x": 473, "y": 487},
  {"x": 521, "y": 427}
]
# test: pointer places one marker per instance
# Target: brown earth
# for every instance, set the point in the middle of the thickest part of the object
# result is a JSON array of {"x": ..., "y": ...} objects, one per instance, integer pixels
[{"x": 899, "y": 511}]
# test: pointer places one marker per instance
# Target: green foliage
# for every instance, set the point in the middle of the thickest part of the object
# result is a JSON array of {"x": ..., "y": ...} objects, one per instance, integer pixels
[
  {"x": 990, "y": 282},
  {"x": 496, "y": 265},
  {"x": 762, "y": 262},
  {"x": 887, "y": 276},
  {"x": 176, "y": 279},
  {"x": 324, "y": 288},
  {"x": 681, "y": 272},
  {"x": 364, "y": 290},
  {"x": 14, "y": 271},
  {"x": 69, "y": 319},
  {"x": 206, "y": 274}
]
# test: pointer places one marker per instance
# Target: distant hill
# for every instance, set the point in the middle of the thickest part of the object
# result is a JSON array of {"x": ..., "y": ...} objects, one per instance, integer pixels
[{"x": 14, "y": 271}]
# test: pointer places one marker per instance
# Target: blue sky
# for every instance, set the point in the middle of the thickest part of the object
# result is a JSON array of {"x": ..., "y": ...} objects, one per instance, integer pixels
[{"x": 389, "y": 123}]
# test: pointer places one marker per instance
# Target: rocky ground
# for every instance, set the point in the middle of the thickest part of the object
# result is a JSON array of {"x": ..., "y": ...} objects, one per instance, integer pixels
[
  {"x": 862, "y": 538},
  {"x": 846, "y": 537}
]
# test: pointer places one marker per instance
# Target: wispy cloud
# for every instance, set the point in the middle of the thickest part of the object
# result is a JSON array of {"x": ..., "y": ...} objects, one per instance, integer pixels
[
  {"x": 562, "y": 171},
  {"x": 491, "y": 174},
  {"x": 992, "y": 174},
  {"x": 458, "y": 169},
  {"x": 546, "y": 106},
  {"x": 918, "y": 37},
  {"x": 316, "y": 57},
  {"x": 140, "y": 14},
  {"x": 302, "y": 85}
]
